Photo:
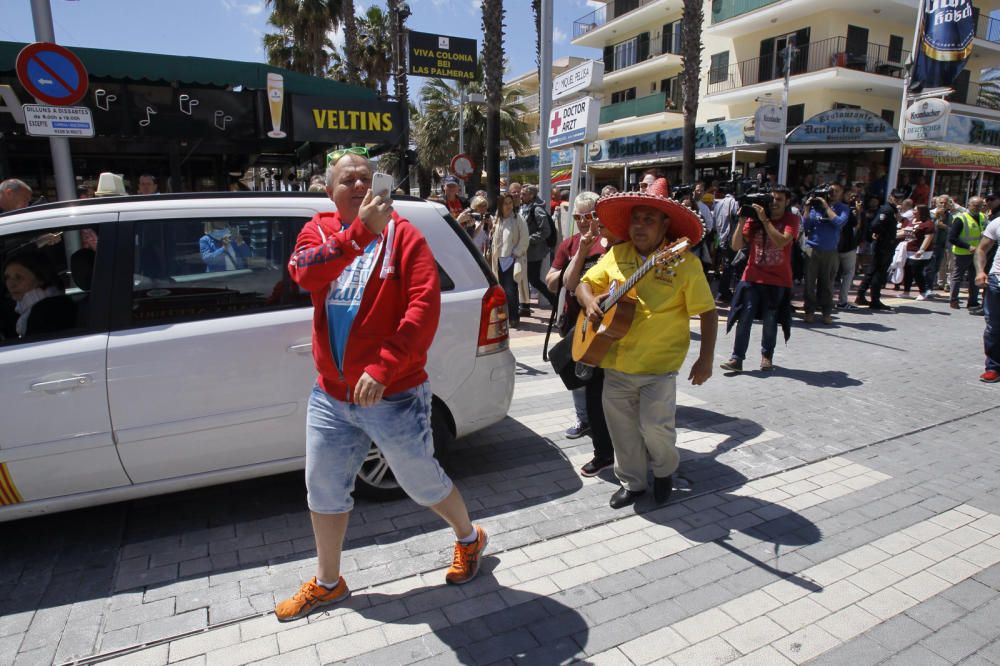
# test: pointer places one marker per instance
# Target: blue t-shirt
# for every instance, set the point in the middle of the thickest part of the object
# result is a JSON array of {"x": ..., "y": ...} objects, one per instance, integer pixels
[
  {"x": 343, "y": 300},
  {"x": 823, "y": 233}
]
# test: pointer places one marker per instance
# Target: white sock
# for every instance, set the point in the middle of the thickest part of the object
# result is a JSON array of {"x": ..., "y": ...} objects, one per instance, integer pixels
[
  {"x": 471, "y": 538},
  {"x": 328, "y": 586}
]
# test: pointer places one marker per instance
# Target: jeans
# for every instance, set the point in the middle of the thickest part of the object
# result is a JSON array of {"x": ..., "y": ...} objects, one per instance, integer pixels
[
  {"x": 339, "y": 436},
  {"x": 769, "y": 334},
  {"x": 991, "y": 336},
  {"x": 580, "y": 405},
  {"x": 965, "y": 268},
  {"x": 931, "y": 270},
  {"x": 917, "y": 270},
  {"x": 536, "y": 281},
  {"x": 510, "y": 289},
  {"x": 848, "y": 263},
  {"x": 821, "y": 271}
]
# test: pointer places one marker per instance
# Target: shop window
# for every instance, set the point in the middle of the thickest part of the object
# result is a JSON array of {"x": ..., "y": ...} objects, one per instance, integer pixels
[
  {"x": 796, "y": 116},
  {"x": 48, "y": 278},
  {"x": 195, "y": 269},
  {"x": 719, "y": 68},
  {"x": 622, "y": 95},
  {"x": 889, "y": 116}
]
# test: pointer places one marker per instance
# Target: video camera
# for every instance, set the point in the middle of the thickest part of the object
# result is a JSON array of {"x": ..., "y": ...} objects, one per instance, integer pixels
[
  {"x": 755, "y": 193},
  {"x": 819, "y": 198},
  {"x": 678, "y": 192}
]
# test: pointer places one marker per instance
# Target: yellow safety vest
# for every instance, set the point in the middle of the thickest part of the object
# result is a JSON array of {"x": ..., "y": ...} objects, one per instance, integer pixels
[{"x": 972, "y": 231}]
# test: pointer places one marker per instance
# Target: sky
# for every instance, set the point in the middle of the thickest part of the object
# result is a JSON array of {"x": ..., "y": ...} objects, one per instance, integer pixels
[{"x": 233, "y": 29}]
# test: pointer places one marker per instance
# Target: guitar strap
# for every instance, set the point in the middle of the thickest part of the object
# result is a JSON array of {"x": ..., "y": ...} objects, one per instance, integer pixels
[{"x": 553, "y": 314}]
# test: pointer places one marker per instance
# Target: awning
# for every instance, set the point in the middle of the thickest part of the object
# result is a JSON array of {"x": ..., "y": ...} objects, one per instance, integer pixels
[
  {"x": 949, "y": 157},
  {"x": 752, "y": 152},
  {"x": 104, "y": 63}
]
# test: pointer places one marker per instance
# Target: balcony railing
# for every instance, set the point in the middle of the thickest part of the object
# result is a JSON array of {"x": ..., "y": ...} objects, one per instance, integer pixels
[
  {"x": 723, "y": 10},
  {"x": 656, "y": 49},
  {"x": 985, "y": 96},
  {"x": 833, "y": 52},
  {"x": 988, "y": 28},
  {"x": 605, "y": 14},
  {"x": 644, "y": 106}
]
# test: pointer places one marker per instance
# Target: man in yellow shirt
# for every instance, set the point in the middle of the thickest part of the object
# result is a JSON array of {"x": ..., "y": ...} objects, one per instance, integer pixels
[{"x": 640, "y": 380}]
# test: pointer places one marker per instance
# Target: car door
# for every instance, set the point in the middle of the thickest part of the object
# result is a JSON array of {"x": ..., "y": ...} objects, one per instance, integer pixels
[
  {"x": 56, "y": 438},
  {"x": 209, "y": 362}
]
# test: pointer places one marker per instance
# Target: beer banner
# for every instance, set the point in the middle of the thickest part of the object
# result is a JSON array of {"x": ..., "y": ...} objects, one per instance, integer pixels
[
  {"x": 334, "y": 120},
  {"x": 947, "y": 157},
  {"x": 945, "y": 43}
]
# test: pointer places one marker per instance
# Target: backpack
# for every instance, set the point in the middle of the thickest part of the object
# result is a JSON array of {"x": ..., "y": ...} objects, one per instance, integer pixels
[{"x": 553, "y": 239}]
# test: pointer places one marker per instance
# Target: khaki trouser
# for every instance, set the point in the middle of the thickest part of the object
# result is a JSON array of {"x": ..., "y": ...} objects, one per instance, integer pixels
[{"x": 640, "y": 412}]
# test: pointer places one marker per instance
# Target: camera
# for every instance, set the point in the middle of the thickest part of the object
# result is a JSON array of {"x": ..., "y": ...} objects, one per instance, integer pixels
[
  {"x": 477, "y": 216},
  {"x": 680, "y": 191},
  {"x": 819, "y": 197},
  {"x": 755, "y": 194}
]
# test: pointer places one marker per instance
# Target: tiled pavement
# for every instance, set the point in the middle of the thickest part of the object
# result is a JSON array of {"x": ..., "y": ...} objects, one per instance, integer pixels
[{"x": 844, "y": 510}]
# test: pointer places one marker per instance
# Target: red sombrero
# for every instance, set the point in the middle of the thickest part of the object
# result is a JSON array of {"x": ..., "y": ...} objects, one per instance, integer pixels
[{"x": 615, "y": 212}]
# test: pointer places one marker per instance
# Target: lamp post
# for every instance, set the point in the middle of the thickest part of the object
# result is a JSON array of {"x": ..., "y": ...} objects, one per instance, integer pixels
[
  {"x": 790, "y": 50},
  {"x": 400, "y": 11}
]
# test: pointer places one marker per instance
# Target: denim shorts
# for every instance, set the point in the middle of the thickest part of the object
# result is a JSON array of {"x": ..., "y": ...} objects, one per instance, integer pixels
[{"x": 339, "y": 436}]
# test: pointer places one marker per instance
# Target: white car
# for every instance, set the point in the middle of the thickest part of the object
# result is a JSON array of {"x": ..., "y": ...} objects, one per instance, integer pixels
[{"x": 176, "y": 371}]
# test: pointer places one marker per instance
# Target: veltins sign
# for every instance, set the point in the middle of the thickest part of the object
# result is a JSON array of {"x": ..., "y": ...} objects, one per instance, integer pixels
[
  {"x": 767, "y": 124},
  {"x": 575, "y": 122},
  {"x": 334, "y": 120},
  {"x": 843, "y": 126},
  {"x": 442, "y": 56},
  {"x": 585, "y": 77},
  {"x": 926, "y": 119}
]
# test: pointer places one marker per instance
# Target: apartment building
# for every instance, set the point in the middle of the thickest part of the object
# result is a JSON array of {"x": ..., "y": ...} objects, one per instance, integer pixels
[{"x": 845, "y": 90}]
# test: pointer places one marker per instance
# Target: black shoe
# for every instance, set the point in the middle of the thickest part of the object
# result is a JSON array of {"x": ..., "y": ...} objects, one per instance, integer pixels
[
  {"x": 732, "y": 365},
  {"x": 594, "y": 467},
  {"x": 623, "y": 497},
  {"x": 861, "y": 300},
  {"x": 524, "y": 311},
  {"x": 880, "y": 307},
  {"x": 662, "y": 487},
  {"x": 975, "y": 310}
]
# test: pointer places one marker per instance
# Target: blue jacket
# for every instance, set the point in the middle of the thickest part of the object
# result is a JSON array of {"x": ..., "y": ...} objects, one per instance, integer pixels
[
  {"x": 213, "y": 253},
  {"x": 822, "y": 233}
]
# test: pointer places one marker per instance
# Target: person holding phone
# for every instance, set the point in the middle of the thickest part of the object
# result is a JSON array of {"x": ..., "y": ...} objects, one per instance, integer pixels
[
  {"x": 477, "y": 223},
  {"x": 376, "y": 300}
]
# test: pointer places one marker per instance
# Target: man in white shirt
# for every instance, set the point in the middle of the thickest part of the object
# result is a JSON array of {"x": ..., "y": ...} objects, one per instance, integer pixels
[{"x": 991, "y": 299}]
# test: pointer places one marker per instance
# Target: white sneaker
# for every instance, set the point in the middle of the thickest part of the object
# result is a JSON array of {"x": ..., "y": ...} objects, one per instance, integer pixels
[{"x": 921, "y": 297}]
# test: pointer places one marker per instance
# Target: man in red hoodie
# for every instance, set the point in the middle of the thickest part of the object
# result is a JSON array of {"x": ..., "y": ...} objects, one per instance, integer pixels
[{"x": 376, "y": 299}]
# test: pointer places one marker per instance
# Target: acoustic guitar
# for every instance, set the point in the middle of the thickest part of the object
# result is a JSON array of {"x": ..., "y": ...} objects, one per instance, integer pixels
[{"x": 591, "y": 343}]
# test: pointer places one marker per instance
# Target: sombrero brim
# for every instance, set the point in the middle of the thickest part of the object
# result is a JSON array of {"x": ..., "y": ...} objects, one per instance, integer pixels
[{"x": 615, "y": 213}]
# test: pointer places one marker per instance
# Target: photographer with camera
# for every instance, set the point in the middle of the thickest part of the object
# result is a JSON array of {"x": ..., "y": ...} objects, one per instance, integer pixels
[
  {"x": 827, "y": 214},
  {"x": 882, "y": 232},
  {"x": 727, "y": 219},
  {"x": 477, "y": 223},
  {"x": 765, "y": 290}
]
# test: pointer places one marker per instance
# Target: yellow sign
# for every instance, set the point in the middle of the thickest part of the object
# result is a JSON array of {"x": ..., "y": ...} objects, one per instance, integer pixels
[{"x": 346, "y": 121}]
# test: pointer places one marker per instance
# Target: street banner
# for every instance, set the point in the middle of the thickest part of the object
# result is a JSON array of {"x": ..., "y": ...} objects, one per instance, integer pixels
[
  {"x": 926, "y": 119},
  {"x": 441, "y": 56},
  {"x": 947, "y": 157},
  {"x": 335, "y": 120},
  {"x": 949, "y": 26}
]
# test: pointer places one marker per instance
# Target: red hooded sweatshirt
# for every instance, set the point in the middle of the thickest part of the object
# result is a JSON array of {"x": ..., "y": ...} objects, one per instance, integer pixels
[{"x": 398, "y": 316}]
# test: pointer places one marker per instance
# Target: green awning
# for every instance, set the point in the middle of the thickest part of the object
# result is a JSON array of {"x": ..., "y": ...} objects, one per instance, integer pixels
[{"x": 104, "y": 63}]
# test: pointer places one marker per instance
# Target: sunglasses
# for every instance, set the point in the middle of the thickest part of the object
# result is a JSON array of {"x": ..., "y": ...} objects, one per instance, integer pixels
[
  {"x": 356, "y": 150},
  {"x": 584, "y": 216}
]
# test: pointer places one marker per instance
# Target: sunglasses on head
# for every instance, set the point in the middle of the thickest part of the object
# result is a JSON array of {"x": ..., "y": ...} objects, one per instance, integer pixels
[{"x": 356, "y": 150}]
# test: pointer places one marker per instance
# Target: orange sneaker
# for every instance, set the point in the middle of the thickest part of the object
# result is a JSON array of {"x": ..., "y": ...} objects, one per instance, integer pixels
[
  {"x": 310, "y": 596},
  {"x": 465, "y": 565}
]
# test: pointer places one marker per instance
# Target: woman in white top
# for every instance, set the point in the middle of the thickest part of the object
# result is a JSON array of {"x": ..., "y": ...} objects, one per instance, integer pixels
[{"x": 508, "y": 250}]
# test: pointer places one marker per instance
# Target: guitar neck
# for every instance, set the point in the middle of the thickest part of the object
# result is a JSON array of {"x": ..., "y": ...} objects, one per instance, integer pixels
[{"x": 651, "y": 261}]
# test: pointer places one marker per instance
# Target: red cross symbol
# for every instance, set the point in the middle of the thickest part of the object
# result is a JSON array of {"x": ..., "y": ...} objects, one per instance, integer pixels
[{"x": 556, "y": 123}]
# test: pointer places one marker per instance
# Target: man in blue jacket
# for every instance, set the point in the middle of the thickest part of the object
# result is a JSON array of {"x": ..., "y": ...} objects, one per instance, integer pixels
[{"x": 822, "y": 228}]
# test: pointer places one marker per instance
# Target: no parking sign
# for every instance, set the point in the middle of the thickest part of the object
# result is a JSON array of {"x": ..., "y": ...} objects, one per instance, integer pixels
[{"x": 52, "y": 74}]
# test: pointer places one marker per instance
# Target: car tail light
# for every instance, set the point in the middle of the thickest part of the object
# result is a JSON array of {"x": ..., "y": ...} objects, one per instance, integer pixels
[{"x": 493, "y": 322}]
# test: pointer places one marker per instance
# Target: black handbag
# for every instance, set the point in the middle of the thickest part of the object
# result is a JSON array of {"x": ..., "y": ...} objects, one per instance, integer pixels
[{"x": 561, "y": 358}]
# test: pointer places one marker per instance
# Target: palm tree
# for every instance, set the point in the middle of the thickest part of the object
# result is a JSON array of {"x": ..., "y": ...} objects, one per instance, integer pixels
[
  {"x": 371, "y": 66},
  {"x": 437, "y": 138},
  {"x": 493, "y": 73},
  {"x": 302, "y": 43},
  {"x": 351, "y": 42},
  {"x": 692, "y": 17}
]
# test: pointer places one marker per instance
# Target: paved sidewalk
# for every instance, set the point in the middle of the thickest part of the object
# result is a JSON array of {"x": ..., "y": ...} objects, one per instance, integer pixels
[{"x": 845, "y": 509}]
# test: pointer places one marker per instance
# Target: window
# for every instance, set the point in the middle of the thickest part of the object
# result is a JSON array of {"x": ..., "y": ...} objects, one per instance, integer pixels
[
  {"x": 626, "y": 53},
  {"x": 48, "y": 276},
  {"x": 671, "y": 39},
  {"x": 889, "y": 116},
  {"x": 719, "y": 69},
  {"x": 671, "y": 88},
  {"x": 622, "y": 95},
  {"x": 895, "y": 48},
  {"x": 204, "y": 268},
  {"x": 796, "y": 116}
]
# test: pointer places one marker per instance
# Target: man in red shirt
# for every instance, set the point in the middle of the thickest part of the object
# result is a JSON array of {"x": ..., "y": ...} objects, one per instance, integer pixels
[
  {"x": 765, "y": 289},
  {"x": 452, "y": 199},
  {"x": 376, "y": 299}
]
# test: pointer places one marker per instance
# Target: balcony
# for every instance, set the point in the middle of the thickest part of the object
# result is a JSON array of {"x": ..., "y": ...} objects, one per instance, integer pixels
[
  {"x": 602, "y": 15},
  {"x": 643, "y": 106},
  {"x": 984, "y": 96},
  {"x": 988, "y": 29},
  {"x": 723, "y": 10},
  {"x": 827, "y": 54},
  {"x": 619, "y": 18}
]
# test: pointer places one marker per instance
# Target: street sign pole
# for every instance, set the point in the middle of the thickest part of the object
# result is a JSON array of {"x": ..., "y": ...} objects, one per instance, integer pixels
[
  {"x": 62, "y": 160},
  {"x": 545, "y": 102}
]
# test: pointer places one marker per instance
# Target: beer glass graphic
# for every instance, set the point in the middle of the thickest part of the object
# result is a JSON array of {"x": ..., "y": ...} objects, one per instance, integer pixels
[{"x": 276, "y": 100}]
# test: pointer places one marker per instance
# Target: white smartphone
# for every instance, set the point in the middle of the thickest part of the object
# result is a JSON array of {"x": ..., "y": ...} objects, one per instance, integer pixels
[{"x": 382, "y": 184}]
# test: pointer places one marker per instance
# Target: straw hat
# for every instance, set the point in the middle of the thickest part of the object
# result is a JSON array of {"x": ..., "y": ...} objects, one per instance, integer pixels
[
  {"x": 615, "y": 212},
  {"x": 110, "y": 185}
]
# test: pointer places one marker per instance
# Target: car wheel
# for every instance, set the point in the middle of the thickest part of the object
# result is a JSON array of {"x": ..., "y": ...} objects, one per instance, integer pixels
[{"x": 376, "y": 481}]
